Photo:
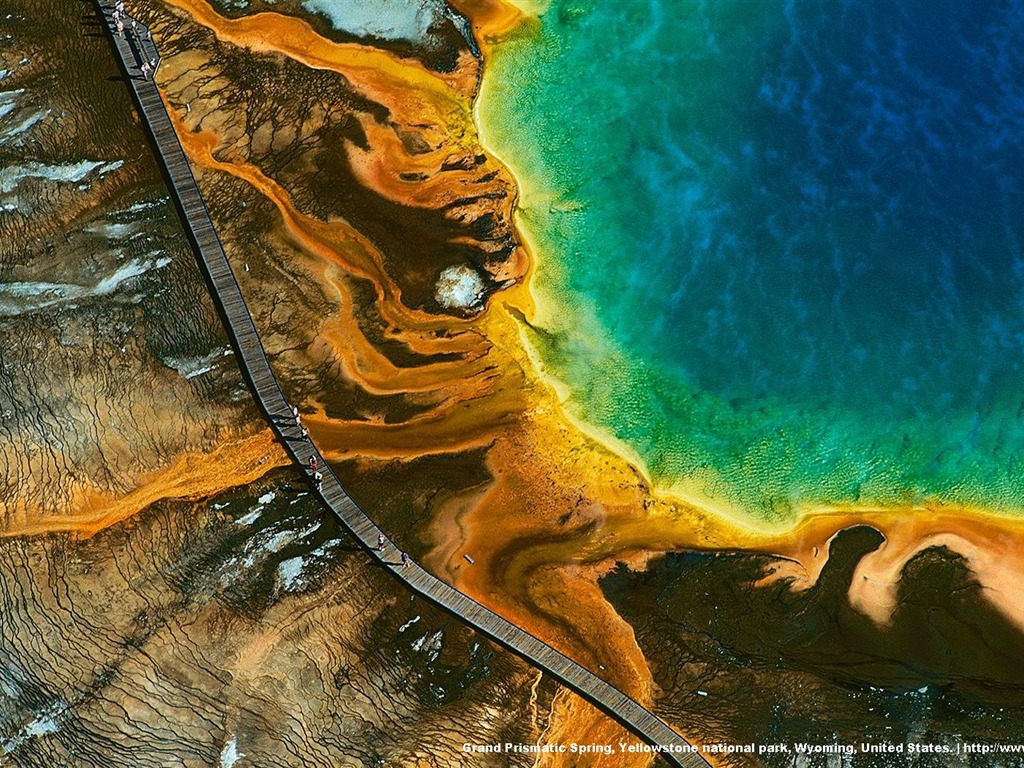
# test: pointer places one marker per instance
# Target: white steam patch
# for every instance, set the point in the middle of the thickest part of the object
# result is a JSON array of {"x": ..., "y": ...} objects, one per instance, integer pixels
[
  {"x": 460, "y": 287},
  {"x": 409, "y": 20},
  {"x": 23, "y": 297}
]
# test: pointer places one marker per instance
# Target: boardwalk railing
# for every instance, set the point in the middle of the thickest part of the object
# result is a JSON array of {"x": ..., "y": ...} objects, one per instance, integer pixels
[{"x": 134, "y": 47}]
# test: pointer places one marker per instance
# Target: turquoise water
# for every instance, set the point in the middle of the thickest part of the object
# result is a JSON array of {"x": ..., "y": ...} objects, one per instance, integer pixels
[{"x": 780, "y": 243}]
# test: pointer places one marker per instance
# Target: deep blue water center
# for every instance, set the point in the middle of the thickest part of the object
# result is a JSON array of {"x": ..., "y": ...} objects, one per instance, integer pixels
[
  {"x": 802, "y": 222},
  {"x": 857, "y": 236}
]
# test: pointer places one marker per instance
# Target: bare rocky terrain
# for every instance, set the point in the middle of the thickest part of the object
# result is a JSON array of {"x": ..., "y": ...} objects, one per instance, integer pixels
[
  {"x": 246, "y": 625},
  {"x": 770, "y": 664},
  {"x": 167, "y": 597},
  {"x": 113, "y": 363}
]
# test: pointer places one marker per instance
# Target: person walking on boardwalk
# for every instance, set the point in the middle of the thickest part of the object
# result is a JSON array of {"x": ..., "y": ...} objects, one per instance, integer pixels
[
  {"x": 145, "y": 70},
  {"x": 380, "y": 542},
  {"x": 405, "y": 560},
  {"x": 312, "y": 463}
]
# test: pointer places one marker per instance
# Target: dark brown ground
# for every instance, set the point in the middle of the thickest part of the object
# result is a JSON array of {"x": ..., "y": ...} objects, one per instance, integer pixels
[
  {"x": 161, "y": 639},
  {"x": 157, "y": 643},
  {"x": 784, "y": 666},
  {"x": 93, "y": 390},
  {"x": 439, "y": 51}
]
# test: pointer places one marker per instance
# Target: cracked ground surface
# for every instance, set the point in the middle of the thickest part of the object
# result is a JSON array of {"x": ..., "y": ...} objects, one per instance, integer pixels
[{"x": 168, "y": 596}]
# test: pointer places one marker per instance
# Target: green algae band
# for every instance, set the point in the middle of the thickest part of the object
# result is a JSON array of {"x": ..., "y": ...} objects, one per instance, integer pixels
[{"x": 779, "y": 244}]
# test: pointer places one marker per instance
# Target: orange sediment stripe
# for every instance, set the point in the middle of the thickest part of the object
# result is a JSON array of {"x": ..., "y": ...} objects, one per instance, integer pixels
[
  {"x": 192, "y": 476},
  {"x": 537, "y": 577},
  {"x": 381, "y": 170},
  {"x": 334, "y": 242},
  {"x": 451, "y": 425},
  {"x": 490, "y": 18},
  {"x": 347, "y": 247},
  {"x": 360, "y": 361},
  {"x": 460, "y": 424},
  {"x": 991, "y": 546},
  {"x": 377, "y": 73},
  {"x": 337, "y": 243}
]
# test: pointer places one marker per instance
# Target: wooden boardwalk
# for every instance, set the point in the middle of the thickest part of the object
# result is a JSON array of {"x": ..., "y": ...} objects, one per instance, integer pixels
[{"x": 132, "y": 49}]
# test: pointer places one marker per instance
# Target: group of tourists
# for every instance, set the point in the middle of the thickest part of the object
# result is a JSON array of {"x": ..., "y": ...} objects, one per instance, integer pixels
[
  {"x": 318, "y": 480},
  {"x": 148, "y": 68},
  {"x": 382, "y": 544}
]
